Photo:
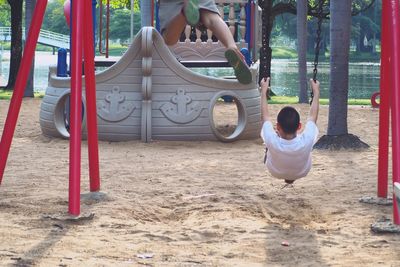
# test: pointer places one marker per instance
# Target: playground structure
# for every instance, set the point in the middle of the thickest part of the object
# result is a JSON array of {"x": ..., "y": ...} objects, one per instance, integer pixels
[
  {"x": 154, "y": 56},
  {"x": 390, "y": 67},
  {"x": 48, "y": 38},
  {"x": 389, "y": 107},
  {"x": 204, "y": 49},
  {"x": 149, "y": 95},
  {"x": 82, "y": 39}
]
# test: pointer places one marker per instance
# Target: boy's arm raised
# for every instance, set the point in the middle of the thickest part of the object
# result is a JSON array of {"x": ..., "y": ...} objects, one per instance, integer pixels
[
  {"x": 314, "y": 109},
  {"x": 264, "y": 103}
]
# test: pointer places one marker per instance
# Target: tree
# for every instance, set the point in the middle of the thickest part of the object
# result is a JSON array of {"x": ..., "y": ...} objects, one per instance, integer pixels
[
  {"x": 123, "y": 4},
  {"x": 29, "y": 8},
  {"x": 5, "y": 14},
  {"x": 54, "y": 19},
  {"x": 366, "y": 26},
  {"x": 118, "y": 29},
  {"x": 16, "y": 41},
  {"x": 340, "y": 26},
  {"x": 302, "y": 49},
  {"x": 272, "y": 8}
]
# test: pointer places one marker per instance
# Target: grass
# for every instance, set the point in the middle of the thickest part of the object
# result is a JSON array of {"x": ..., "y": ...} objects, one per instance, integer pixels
[
  {"x": 288, "y": 53},
  {"x": 289, "y": 100},
  {"x": 283, "y": 53},
  {"x": 6, "y": 94},
  {"x": 115, "y": 50}
]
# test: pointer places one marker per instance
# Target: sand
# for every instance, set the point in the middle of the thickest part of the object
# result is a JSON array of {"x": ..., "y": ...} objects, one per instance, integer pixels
[{"x": 192, "y": 204}]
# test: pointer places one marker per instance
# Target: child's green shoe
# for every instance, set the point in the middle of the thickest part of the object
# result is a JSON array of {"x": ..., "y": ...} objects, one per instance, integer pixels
[{"x": 236, "y": 60}]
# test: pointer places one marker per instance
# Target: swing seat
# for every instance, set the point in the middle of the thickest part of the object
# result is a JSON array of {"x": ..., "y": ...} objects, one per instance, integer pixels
[{"x": 289, "y": 181}]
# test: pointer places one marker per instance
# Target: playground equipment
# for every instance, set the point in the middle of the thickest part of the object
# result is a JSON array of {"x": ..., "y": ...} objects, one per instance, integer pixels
[
  {"x": 389, "y": 102},
  {"x": 47, "y": 38},
  {"x": 101, "y": 51},
  {"x": 397, "y": 195},
  {"x": 374, "y": 96},
  {"x": 149, "y": 95},
  {"x": 67, "y": 12},
  {"x": 199, "y": 49},
  {"x": 317, "y": 45},
  {"x": 81, "y": 36}
]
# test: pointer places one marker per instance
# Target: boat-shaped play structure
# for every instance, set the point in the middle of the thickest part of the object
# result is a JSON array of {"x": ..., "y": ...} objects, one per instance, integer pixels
[{"x": 150, "y": 95}]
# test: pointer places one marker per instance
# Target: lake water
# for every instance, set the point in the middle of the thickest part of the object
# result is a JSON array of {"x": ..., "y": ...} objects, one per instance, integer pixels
[{"x": 363, "y": 80}]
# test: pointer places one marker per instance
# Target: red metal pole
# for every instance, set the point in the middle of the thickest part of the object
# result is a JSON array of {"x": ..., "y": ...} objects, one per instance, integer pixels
[
  {"x": 384, "y": 106},
  {"x": 395, "y": 59},
  {"x": 76, "y": 108},
  {"x": 22, "y": 77},
  {"x": 90, "y": 89}
]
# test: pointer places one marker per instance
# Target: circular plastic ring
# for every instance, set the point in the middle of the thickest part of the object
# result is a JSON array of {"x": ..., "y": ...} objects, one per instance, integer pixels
[
  {"x": 242, "y": 117},
  {"x": 60, "y": 117},
  {"x": 373, "y": 99}
]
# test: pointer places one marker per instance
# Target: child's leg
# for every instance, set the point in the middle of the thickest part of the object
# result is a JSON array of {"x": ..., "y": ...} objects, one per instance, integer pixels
[
  {"x": 217, "y": 25},
  {"x": 174, "y": 29},
  {"x": 219, "y": 28},
  {"x": 189, "y": 13}
]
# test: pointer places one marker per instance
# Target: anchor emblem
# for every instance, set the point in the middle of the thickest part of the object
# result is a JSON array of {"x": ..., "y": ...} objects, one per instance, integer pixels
[
  {"x": 113, "y": 108},
  {"x": 179, "y": 110}
]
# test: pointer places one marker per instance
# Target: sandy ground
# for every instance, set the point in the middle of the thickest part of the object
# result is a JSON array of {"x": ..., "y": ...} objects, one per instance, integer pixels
[{"x": 192, "y": 204}]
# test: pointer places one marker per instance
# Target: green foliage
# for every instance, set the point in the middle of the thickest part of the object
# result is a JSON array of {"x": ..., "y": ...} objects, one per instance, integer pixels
[
  {"x": 5, "y": 14},
  {"x": 365, "y": 23},
  {"x": 54, "y": 19},
  {"x": 118, "y": 4},
  {"x": 119, "y": 24}
]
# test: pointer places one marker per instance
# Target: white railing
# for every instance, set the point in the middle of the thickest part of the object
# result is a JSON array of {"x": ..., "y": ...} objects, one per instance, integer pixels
[
  {"x": 235, "y": 20},
  {"x": 5, "y": 31},
  {"x": 45, "y": 37},
  {"x": 204, "y": 46},
  {"x": 54, "y": 36}
]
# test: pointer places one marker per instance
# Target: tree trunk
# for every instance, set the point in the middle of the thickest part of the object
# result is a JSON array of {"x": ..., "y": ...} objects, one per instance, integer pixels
[
  {"x": 16, "y": 40},
  {"x": 337, "y": 136},
  {"x": 339, "y": 75},
  {"x": 29, "y": 7},
  {"x": 302, "y": 49}
]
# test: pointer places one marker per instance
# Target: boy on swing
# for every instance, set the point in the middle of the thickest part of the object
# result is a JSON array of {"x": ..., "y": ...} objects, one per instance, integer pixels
[
  {"x": 174, "y": 15},
  {"x": 288, "y": 152}
]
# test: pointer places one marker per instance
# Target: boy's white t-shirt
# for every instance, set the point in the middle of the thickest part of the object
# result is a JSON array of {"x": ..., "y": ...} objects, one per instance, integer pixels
[{"x": 289, "y": 159}]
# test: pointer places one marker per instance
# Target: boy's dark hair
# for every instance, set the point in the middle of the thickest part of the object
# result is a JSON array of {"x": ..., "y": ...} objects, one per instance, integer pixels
[{"x": 289, "y": 120}]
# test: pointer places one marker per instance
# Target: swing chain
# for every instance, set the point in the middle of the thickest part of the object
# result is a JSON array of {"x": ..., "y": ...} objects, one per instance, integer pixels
[
  {"x": 264, "y": 48},
  {"x": 318, "y": 43}
]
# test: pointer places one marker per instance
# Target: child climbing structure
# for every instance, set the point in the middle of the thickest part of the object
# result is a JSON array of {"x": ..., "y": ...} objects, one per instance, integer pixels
[{"x": 149, "y": 95}]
